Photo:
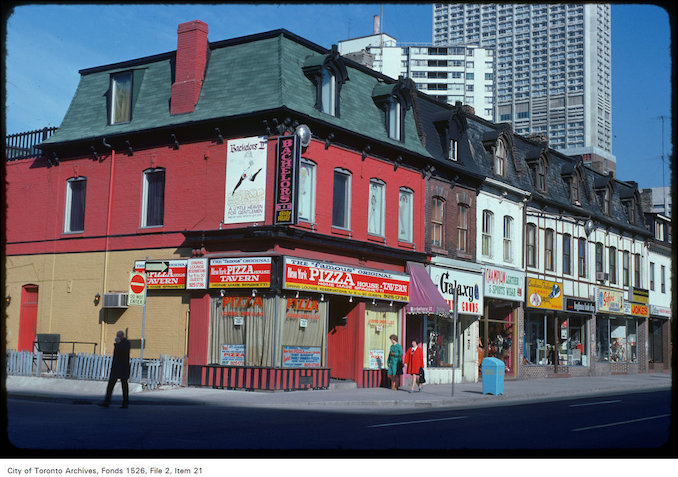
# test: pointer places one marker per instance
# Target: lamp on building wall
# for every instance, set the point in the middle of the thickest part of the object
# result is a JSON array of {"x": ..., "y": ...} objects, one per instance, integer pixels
[
  {"x": 97, "y": 299},
  {"x": 304, "y": 134},
  {"x": 588, "y": 227},
  {"x": 8, "y": 299}
]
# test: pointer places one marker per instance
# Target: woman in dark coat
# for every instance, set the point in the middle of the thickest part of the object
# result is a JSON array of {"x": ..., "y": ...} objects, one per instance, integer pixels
[{"x": 119, "y": 370}]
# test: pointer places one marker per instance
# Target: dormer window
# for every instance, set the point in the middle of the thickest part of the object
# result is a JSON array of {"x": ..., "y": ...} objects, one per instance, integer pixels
[
  {"x": 452, "y": 151},
  {"x": 500, "y": 155},
  {"x": 604, "y": 189},
  {"x": 574, "y": 190},
  {"x": 120, "y": 110},
  {"x": 394, "y": 99},
  {"x": 393, "y": 119},
  {"x": 328, "y": 73},
  {"x": 450, "y": 125},
  {"x": 539, "y": 166},
  {"x": 605, "y": 199}
]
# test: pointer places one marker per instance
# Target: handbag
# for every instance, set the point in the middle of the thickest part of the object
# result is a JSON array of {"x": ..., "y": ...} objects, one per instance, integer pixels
[
  {"x": 422, "y": 376},
  {"x": 399, "y": 367}
]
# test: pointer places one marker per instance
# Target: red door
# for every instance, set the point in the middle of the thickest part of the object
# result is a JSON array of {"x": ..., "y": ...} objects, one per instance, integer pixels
[{"x": 28, "y": 317}]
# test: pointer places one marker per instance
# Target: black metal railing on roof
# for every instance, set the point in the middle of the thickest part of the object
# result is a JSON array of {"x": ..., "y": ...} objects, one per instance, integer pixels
[{"x": 23, "y": 145}]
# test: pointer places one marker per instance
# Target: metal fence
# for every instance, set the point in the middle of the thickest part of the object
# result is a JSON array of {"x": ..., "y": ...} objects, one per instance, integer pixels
[
  {"x": 166, "y": 370},
  {"x": 24, "y": 145}
]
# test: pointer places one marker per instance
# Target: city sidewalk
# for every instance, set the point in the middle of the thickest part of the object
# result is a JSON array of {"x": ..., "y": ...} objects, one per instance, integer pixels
[{"x": 435, "y": 395}]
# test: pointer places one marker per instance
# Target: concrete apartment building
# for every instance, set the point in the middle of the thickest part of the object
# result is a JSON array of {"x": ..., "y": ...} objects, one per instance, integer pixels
[
  {"x": 450, "y": 73},
  {"x": 552, "y": 69}
]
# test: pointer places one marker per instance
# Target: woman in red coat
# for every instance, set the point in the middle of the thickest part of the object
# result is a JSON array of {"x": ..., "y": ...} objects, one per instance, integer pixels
[{"x": 414, "y": 360}]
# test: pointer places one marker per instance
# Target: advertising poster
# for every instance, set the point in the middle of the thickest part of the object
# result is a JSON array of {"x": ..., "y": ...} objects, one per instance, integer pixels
[
  {"x": 232, "y": 355},
  {"x": 325, "y": 277},
  {"x": 301, "y": 356},
  {"x": 287, "y": 172},
  {"x": 376, "y": 358},
  {"x": 544, "y": 294},
  {"x": 469, "y": 288},
  {"x": 245, "y": 180},
  {"x": 196, "y": 274},
  {"x": 251, "y": 272},
  {"x": 609, "y": 300},
  {"x": 163, "y": 274}
]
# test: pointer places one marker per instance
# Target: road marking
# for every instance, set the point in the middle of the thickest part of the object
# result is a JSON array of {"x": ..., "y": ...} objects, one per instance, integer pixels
[
  {"x": 621, "y": 422},
  {"x": 418, "y": 422},
  {"x": 595, "y": 403}
]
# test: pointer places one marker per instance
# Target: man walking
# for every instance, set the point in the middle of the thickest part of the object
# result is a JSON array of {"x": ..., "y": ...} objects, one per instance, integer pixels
[{"x": 119, "y": 370}]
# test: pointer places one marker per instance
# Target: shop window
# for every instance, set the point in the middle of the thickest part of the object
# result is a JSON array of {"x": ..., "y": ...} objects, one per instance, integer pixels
[
  {"x": 440, "y": 336},
  {"x": 120, "y": 110},
  {"x": 341, "y": 199},
  {"x": 303, "y": 332},
  {"x": 567, "y": 254},
  {"x": 462, "y": 227},
  {"x": 602, "y": 338},
  {"x": 74, "y": 218},
  {"x": 508, "y": 238},
  {"x": 613, "y": 265},
  {"x": 581, "y": 261},
  {"x": 405, "y": 208},
  {"x": 488, "y": 225},
  {"x": 380, "y": 323},
  {"x": 153, "y": 205},
  {"x": 616, "y": 339},
  {"x": 626, "y": 259},
  {"x": 548, "y": 249},
  {"x": 307, "y": 189},
  {"x": 655, "y": 341},
  {"x": 572, "y": 342},
  {"x": 531, "y": 239},
  {"x": 636, "y": 270},
  {"x": 496, "y": 335},
  {"x": 376, "y": 210},
  {"x": 437, "y": 219}
]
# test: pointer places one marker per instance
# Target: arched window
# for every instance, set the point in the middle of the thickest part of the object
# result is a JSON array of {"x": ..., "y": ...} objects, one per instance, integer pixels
[
  {"x": 405, "y": 208},
  {"x": 500, "y": 155},
  {"x": 376, "y": 208}
]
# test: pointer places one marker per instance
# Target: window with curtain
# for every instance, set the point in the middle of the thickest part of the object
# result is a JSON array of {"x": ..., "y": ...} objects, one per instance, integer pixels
[
  {"x": 121, "y": 98},
  {"x": 488, "y": 224},
  {"x": 531, "y": 239},
  {"x": 376, "y": 208},
  {"x": 437, "y": 217},
  {"x": 381, "y": 321},
  {"x": 405, "y": 208},
  {"x": 328, "y": 92},
  {"x": 567, "y": 254},
  {"x": 303, "y": 330},
  {"x": 548, "y": 249},
  {"x": 581, "y": 262},
  {"x": 341, "y": 199},
  {"x": 74, "y": 218},
  {"x": 462, "y": 227},
  {"x": 508, "y": 235},
  {"x": 307, "y": 188},
  {"x": 153, "y": 206}
]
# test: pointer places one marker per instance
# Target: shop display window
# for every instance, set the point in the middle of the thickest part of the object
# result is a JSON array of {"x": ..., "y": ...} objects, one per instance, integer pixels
[
  {"x": 572, "y": 341},
  {"x": 616, "y": 340},
  {"x": 567, "y": 343},
  {"x": 381, "y": 321},
  {"x": 440, "y": 342},
  {"x": 497, "y": 336},
  {"x": 655, "y": 341}
]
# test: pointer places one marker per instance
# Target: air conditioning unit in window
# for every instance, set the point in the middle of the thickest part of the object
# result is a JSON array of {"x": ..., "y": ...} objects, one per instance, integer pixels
[
  {"x": 115, "y": 300},
  {"x": 602, "y": 276}
]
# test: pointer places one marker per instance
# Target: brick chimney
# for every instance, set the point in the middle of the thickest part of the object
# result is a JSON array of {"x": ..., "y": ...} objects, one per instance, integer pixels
[{"x": 192, "y": 51}]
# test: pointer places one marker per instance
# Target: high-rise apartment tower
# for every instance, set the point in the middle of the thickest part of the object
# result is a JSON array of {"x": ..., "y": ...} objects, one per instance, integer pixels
[{"x": 552, "y": 69}]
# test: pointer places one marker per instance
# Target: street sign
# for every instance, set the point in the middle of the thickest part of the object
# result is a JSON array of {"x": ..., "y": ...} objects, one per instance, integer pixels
[
  {"x": 137, "y": 289},
  {"x": 161, "y": 266}
]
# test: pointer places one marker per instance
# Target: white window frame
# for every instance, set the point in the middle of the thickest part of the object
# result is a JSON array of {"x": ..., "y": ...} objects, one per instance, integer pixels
[
  {"x": 346, "y": 219},
  {"x": 500, "y": 156},
  {"x": 115, "y": 89},
  {"x": 549, "y": 249},
  {"x": 394, "y": 119},
  {"x": 531, "y": 245},
  {"x": 376, "y": 209},
  {"x": 453, "y": 153},
  {"x": 486, "y": 234},
  {"x": 68, "y": 208},
  {"x": 405, "y": 214},
  {"x": 307, "y": 190},
  {"x": 438, "y": 225},
  {"x": 328, "y": 90},
  {"x": 508, "y": 238},
  {"x": 145, "y": 197}
]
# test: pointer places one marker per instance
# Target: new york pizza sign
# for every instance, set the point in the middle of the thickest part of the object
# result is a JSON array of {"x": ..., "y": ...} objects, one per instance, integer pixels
[
  {"x": 250, "y": 272},
  {"x": 325, "y": 277}
]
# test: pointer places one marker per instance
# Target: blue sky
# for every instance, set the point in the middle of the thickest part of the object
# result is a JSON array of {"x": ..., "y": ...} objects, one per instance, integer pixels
[{"x": 47, "y": 45}]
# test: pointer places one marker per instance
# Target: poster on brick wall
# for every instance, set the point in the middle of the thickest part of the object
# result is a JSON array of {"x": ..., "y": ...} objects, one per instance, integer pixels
[{"x": 245, "y": 199}]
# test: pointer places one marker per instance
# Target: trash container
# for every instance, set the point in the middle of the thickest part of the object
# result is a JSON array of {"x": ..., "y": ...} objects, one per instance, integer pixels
[{"x": 493, "y": 376}]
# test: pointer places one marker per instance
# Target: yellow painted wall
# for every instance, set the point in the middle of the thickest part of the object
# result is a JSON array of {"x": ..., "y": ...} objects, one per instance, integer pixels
[{"x": 67, "y": 284}]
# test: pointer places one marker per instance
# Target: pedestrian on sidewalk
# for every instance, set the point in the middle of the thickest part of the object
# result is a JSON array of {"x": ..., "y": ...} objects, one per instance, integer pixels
[
  {"x": 414, "y": 359},
  {"x": 119, "y": 370},
  {"x": 395, "y": 363}
]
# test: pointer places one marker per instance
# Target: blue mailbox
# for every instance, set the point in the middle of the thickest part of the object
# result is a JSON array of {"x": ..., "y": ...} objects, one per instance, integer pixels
[{"x": 493, "y": 376}]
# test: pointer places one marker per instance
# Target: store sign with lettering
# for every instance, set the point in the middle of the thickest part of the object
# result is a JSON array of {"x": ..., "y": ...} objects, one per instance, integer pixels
[
  {"x": 544, "y": 294},
  {"x": 662, "y": 311},
  {"x": 639, "y": 295},
  {"x": 301, "y": 356},
  {"x": 504, "y": 284},
  {"x": 325, "y": 277},
  {"x": 636, "y": 309},
  {"x": 251, "y": 272},
  {"x": 469, "y": 288},
  {"x": 287, "y": 173},
  {"x": 196, "y": 274},
  {"x": 245, "y": 195},
  {"x": 609, "y": 300},
  {"x": 163, "y": 274},
  {"x": 578, "y": 305},
  {"x": 232, "y": 355}
]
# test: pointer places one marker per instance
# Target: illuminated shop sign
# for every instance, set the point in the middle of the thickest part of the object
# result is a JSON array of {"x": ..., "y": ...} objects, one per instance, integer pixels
[
  {"x": 609, "y": 300},
  {"x": 287, "y": 171},
  {"x": 325, "y": 277},
  {"x": 163, "y": 274},
  {"x": 469, "y": 288},
  {"x": 544, "y": 294},
  {"x": 504, "y": 284},
  {"x": 250, "y": 272}
]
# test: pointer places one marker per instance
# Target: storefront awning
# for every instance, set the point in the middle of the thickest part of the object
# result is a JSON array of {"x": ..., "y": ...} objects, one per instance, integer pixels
[{"x": 424, "y": 296}]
